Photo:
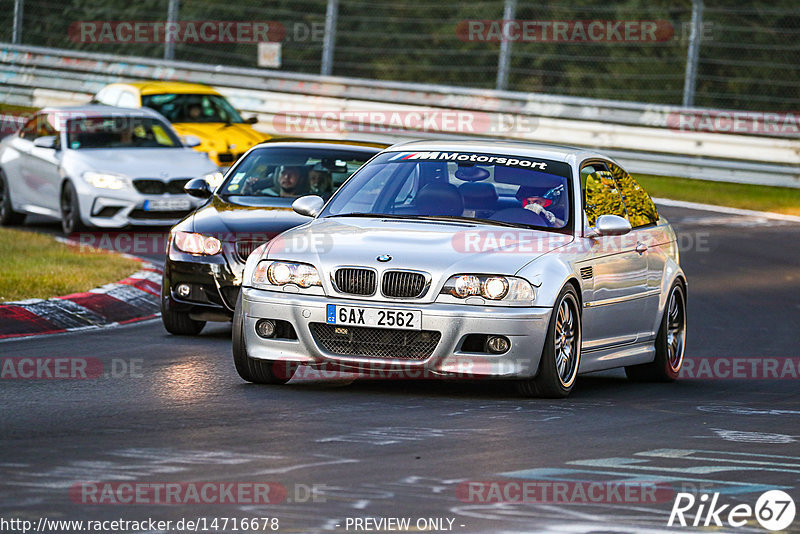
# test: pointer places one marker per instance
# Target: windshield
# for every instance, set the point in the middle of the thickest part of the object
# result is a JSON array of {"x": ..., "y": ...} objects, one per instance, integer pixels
[
  {"x": 486, "y": 187},
  {"x": 120, "y": 132},
  {"x": 293, "y": 172},
  {"x": 192, "y": 108}
]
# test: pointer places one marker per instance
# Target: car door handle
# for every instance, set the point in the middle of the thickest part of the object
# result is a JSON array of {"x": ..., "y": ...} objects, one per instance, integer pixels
[{"x": 641, "y": 248}]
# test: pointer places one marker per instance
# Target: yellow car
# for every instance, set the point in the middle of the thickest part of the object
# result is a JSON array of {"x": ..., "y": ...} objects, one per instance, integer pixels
[{"x": 193, "y": 109}]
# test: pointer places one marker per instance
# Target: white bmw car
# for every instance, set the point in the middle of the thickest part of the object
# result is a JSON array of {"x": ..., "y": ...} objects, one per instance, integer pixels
[{"x": 98, "y": 166}]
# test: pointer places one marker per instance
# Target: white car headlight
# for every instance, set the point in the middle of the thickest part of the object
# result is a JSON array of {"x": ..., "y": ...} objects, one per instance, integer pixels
[
  {"x": 192, "y": 243},
  {"x": 505, "y": 288},
  {"x": 281, "y": 273},
  {"x": 105, "y": 180},
  {"x": 213, "y": 179}
]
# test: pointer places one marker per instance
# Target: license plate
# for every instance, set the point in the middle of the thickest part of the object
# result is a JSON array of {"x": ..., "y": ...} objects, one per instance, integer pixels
[
  {"x": 374, "y": 317},
  {"x": 167, "y": 204}
]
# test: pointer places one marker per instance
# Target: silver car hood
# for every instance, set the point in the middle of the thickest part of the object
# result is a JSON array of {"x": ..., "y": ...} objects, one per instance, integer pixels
[
  {"x": 145, "y": 162},
  {"x": 439, "y": 248}
]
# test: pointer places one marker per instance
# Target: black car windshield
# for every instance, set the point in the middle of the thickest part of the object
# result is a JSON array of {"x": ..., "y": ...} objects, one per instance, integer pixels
[
  {"x": 293, "y": 172},
  {"x": 120, "y": 131},
  {"x": 483, "y": 187},
  {"x": 192, "y": 107}
]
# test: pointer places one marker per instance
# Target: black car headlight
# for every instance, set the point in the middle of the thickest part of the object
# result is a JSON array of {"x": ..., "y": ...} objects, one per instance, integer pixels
[{"x": 192, "y": 243}]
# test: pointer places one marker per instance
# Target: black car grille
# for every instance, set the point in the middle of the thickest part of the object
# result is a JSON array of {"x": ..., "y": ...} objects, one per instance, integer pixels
[
  {"x": 231, "y": 295},
  {"x": 227, "y": 157},
  {"x": 157, "y": 215},
  {"x": 175, "y": 187},
  {"x": 403, "y": 284},
  {"x": 149, "y": 186},
  {"x": 375, "y": 342},
  {"x": 355, "y": 281},
  {"x": 244, "y": 248}
]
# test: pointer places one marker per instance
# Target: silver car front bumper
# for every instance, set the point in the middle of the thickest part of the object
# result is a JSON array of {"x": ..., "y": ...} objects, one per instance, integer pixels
[{"x": 526, "y": 328}]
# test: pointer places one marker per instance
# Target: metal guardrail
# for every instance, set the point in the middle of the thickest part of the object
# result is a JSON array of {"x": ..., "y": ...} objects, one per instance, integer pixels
[{"x": 637, "y": 134}]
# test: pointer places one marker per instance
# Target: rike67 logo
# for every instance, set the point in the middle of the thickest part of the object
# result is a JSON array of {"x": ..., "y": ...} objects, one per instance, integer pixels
[{"x": 774, "y": 510}]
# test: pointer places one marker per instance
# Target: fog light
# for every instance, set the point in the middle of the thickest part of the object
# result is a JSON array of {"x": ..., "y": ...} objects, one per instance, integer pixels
[
  {"x": 497, "y": 344},
  {"x": 265, "y": 328},
  {"x": 183, "y": 290}
]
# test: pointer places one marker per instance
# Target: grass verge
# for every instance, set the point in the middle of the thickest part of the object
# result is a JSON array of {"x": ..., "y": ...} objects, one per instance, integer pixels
[
  {"x": 37, "y": 266},
  {"x": 12, "y": 108},
  {"x": 752, "y": 197}
]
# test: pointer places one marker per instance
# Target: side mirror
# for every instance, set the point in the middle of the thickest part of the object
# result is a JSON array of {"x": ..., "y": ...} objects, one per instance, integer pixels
[
  {"x": 191, "y": 141},
  {"x": 198, "y": 188},
  {"x": 47, "y": 141},
  {"x": 251, "y": 120},
  {"x": 309, "y": 205},
  {"x": 612, "y": 225}
]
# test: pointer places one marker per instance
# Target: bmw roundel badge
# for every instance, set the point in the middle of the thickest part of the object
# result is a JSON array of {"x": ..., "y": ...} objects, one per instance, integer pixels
[{"x": 384, "y": 258}]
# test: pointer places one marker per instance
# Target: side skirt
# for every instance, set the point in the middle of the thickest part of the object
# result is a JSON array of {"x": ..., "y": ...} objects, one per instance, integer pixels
[{"x": 617, "y": 356}]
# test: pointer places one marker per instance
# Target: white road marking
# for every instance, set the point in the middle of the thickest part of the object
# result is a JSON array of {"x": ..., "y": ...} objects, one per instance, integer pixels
[
  {"x": 740, "y": 436},
  {"x": 745, "y": 410}
]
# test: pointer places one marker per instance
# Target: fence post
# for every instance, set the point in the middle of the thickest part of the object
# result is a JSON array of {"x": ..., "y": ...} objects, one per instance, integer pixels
[
  {"x": 693, "y": 53},
  {"x": 16, "y": 36},
  {"x": 504, "y": 60},
  {"x": 329, "y": 42},
  {"x": 172, "y": 17}
]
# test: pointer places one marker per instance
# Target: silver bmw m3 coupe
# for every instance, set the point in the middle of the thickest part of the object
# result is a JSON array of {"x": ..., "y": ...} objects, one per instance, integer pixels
[{"x": 496, "y": 260}]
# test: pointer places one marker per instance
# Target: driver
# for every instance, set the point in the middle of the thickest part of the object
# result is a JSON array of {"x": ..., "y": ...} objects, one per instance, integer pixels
[
  {"x": 292, "y": 182},
  {"x": 195, "y": 113},
  {"x": 539, "y": 204}
]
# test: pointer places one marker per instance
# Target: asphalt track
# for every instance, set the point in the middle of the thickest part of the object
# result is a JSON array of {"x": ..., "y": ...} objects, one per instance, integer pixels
[{"x": 401, "y": 448}]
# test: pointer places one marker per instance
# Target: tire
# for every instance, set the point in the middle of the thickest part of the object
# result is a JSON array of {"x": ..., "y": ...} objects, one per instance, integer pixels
[
  {"x": 70, "y": 210},
  {"x": 179, "y": 323},
  {"x": 561, "y": 355},
  {"x": 250, "y": 369},
  {"x": 670, "y": 342},
  {"x": 7, "y": 214}
]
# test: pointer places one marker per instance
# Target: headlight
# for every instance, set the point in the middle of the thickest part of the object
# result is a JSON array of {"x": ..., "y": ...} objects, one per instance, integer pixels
[
  {"x": 507, "y": 288},
  {"x": 106, "y": 180},
  {"x": 281, "y": 273},
  {"x": 197, "y": 243},
  {"x": 213, "y": 179}
]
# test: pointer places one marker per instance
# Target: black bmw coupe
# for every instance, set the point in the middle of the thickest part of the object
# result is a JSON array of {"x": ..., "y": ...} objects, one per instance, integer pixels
[{"x": 207, "y": 249}]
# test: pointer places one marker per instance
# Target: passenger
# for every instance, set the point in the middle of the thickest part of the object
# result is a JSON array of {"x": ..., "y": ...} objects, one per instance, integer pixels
[{"x": 320, "y": 182}]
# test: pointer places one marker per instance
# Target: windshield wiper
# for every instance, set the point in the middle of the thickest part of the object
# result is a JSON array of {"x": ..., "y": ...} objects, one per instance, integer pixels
[
  {"x": 472, "y": 220},
  {"x": 378, "y": 215},
  {"x": 445, "y": 218}
]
